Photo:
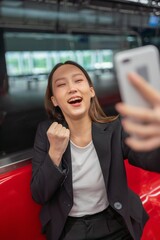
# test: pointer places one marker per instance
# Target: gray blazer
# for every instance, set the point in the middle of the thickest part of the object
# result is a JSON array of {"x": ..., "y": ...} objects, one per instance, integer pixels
[{"x": 52, "y": 187}]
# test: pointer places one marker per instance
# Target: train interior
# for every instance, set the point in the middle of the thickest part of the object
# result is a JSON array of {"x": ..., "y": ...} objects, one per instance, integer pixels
[{"x": 34, "y": 36}]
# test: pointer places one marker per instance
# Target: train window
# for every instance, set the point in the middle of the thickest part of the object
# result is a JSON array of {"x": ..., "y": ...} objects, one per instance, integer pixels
[{"x": 29, "y": 59}]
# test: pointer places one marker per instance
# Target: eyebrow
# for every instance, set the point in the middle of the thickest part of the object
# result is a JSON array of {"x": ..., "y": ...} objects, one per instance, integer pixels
[
  {"x": 63, "y": 78},
  {"x": 76, "y": 74}
]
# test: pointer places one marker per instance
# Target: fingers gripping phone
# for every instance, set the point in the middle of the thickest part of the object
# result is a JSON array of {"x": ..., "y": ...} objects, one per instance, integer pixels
[{"x": 145, "y": 62}]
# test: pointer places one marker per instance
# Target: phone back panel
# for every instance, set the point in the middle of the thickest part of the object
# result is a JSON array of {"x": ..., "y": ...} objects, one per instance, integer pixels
[{"x": 144, "y": 61}]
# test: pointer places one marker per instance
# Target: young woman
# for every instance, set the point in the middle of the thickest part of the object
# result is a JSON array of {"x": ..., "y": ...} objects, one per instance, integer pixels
[{"x": 78, "y": 166}]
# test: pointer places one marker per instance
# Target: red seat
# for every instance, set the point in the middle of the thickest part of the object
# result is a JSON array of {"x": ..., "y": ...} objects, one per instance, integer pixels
[
  {"x": 20, "y": 214},
  {"x": 147, "y": 185}
]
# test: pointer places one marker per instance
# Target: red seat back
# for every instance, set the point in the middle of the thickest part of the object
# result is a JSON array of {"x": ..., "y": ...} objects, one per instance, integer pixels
[{"x": 19, "y": 214}]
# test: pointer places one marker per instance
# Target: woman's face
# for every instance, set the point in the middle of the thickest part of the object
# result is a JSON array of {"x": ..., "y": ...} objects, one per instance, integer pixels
[{"x": 71, "y": 92}]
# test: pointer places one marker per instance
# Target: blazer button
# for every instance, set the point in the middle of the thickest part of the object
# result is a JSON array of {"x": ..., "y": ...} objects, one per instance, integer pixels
[{"x": 118, "y": 205}]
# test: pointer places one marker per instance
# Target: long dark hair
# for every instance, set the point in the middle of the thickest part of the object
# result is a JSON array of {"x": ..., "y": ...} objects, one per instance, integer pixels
[{"x": 95, "y": 112}]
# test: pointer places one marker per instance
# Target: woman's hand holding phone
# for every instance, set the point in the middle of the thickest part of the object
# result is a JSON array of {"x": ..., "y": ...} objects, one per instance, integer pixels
[
  {"x": 138, "y": 75},
  {"x": 144, "y": 131}
]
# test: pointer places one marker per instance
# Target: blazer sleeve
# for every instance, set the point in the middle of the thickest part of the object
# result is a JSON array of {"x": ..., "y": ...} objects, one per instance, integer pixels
[
  {"x": 149, "y": 160},
  {"x": 47, "y": 178}
]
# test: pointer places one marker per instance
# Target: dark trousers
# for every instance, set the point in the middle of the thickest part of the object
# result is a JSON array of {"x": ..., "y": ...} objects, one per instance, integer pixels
[{"x": 106, "y": 225}]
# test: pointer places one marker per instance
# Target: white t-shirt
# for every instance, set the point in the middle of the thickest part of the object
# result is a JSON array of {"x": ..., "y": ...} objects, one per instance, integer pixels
[{"x": 89, "y": 192}]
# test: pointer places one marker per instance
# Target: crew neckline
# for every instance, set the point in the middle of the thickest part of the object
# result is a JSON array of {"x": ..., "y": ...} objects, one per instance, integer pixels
[{"x": 79, "y": 147}]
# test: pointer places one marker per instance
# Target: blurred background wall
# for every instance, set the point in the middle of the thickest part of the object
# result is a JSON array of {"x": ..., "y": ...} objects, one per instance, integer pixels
[{"x": 37, "y": 34}]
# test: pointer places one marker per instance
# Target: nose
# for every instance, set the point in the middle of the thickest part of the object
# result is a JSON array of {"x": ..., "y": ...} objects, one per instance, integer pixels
[{"x": 72, "y": 88}]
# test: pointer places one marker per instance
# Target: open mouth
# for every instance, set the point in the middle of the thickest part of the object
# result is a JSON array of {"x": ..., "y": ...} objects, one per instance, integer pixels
[{"x": 75, "y": 100}]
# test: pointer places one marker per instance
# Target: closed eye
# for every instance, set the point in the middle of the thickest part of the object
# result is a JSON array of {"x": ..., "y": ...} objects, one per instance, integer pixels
[
  {"x": 78, "y": 80},
  {"x": 61, "y": 84}
]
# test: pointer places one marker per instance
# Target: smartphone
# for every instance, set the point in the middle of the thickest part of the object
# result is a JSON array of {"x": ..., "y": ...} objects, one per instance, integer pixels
[{"x": 145, "y": 62}]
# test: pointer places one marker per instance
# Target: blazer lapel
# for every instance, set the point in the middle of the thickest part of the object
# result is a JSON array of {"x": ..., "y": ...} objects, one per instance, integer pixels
[
  {"x": 101, "y": 135},
  {"x": 68, "y": 181}
]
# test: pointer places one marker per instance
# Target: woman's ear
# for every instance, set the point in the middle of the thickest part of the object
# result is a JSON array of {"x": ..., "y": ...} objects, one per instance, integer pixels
[
  {"x": 92, "y": 92},
  {"x": 54, "y": 101}
]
